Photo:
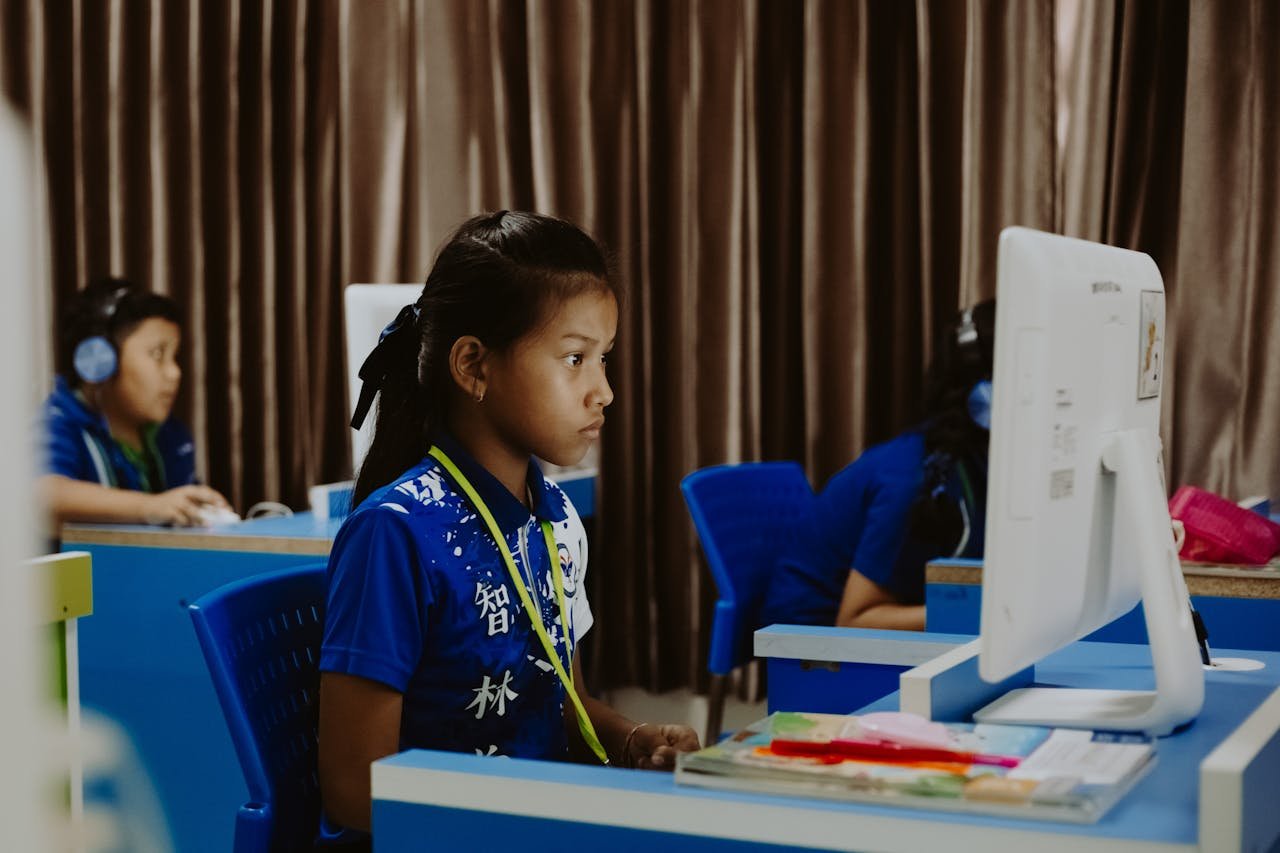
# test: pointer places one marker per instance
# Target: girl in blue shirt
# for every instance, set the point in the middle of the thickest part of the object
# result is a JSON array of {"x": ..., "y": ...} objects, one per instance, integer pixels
[
  {"x": 456, "y": 588},
  {"x": 916, "y": 497}
]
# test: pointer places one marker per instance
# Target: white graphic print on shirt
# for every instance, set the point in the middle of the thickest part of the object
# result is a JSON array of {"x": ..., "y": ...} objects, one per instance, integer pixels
[
  {"x": 493, "y": 603},
  {"x": 490, "y": 695}
]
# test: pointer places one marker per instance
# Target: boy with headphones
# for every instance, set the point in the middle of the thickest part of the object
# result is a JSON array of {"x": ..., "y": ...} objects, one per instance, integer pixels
[
  {"x": 112, "y": 452},
  {"x": 916, "y": 497}
]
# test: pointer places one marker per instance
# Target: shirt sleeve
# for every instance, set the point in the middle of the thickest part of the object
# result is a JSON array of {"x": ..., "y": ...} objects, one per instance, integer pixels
[
  {"x": 379, "y": 599},
  {"x": 891, "y": 498},
  {"x": 884, "y": 533},
  {"x": 840, "y": 516},
  {"x": 63, "y": 451},
  {"x": 863, "y": 513}
]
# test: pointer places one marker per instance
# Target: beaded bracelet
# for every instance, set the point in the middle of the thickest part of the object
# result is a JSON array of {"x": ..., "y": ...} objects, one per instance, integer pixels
[{"x": 628, "y": 761}]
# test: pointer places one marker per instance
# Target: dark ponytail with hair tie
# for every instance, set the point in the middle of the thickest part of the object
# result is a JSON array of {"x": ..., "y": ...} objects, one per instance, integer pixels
[{"x": 398, "y": 336}]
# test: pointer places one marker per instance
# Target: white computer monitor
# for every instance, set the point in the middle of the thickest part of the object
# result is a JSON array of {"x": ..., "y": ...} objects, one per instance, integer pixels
[
  {"x": 368, "y": 308},
  {"x": 1078, "y": 528}
]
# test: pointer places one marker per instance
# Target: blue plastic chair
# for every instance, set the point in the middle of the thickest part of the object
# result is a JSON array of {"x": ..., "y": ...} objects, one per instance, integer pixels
[
  {"x": 261, "y": 641},
  {"x": 746, "y": 516}
]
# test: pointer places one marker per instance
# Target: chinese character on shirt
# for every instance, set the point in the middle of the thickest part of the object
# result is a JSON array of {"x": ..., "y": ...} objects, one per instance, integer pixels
[
  {"x": 493, "y": 603},
  {"x": 489, "y": 695}
]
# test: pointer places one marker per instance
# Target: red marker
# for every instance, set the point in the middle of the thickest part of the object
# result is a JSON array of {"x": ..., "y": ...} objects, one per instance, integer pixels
[{"x": 875, "y": 750}]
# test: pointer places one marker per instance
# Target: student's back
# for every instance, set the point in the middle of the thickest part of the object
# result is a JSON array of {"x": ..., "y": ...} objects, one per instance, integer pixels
[{"x": 919, "y": 496}]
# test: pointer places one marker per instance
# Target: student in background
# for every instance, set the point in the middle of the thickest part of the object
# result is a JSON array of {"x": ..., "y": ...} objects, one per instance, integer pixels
[
  {"x": 456, "y": 599},
  {"x": 112, "y": 452},
  {"x": 919, "y": 496}
]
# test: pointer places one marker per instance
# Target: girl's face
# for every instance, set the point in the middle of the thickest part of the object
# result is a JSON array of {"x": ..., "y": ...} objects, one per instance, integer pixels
[
  {"x": 146, "y": 381},
  {"x": 546, "y": 395}
]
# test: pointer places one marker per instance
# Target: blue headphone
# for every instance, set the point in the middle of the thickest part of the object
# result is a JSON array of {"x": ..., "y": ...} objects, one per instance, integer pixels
[
  {"x": 979, "y": 403},
  {"x": 95, "y": 358}
]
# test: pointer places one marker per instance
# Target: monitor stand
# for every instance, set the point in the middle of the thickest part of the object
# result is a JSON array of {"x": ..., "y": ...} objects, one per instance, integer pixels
[{"x": 1143, "y": 513}]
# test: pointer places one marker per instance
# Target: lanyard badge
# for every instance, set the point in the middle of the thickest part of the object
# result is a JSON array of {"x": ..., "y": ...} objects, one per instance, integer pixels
[{"x": 535, "y": 617}]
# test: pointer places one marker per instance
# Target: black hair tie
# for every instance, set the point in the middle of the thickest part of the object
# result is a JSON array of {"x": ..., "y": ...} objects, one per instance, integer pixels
[{"x": 380, "y": 362}]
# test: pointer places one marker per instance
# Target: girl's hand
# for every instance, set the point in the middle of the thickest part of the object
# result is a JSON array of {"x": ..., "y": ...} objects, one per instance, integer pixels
[
  {"x": 654, "y": 747},
  {"x": 180, "y": 506}
]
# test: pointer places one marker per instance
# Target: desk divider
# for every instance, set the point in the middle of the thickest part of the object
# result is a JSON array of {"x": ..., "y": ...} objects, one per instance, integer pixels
[
  {"x": 948, "y": 688},
  {"x": 1238, "y": 784}
]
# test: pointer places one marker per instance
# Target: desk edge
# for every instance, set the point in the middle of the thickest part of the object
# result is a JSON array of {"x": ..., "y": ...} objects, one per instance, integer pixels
[{"x": 91, "y": 536}]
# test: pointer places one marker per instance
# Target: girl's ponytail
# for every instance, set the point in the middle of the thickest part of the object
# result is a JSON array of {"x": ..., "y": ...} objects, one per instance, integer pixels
[{"x": 404, "y": 410}]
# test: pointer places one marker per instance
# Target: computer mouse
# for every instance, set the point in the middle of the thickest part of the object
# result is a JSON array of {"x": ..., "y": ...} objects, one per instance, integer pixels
[{"x": 216, "y": 516}]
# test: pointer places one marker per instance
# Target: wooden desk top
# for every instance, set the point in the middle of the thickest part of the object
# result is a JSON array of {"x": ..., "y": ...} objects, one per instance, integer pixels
[
  {"x": 300, "y": 533},
  {"x": 1217, "y": 581}
]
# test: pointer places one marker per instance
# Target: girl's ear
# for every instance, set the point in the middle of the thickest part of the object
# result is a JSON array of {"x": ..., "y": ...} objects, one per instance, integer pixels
[{"x": 468, "y": 366}]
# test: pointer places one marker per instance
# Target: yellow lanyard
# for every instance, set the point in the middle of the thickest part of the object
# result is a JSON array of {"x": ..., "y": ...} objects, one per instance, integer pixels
[{"x": 584, "y": 722}]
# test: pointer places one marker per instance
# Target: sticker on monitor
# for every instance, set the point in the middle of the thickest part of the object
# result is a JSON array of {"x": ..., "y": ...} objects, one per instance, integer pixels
[
  {"x": 1062, "y": 484},
  {"x": 1151, "y": 345}
]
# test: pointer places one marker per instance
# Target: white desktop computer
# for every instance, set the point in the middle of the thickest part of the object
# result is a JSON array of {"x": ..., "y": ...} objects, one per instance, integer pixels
[{"x": 1078, "y": 528}]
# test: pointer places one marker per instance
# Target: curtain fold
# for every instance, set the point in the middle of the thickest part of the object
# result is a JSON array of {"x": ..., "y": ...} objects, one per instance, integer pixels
[
  {"x": 1226, "y": 257},
  {"x": 797, "y": 198}
]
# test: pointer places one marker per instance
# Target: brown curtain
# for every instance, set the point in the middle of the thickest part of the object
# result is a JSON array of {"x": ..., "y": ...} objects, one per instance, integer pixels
[
  {"x": 1174, "y": 149},
  {"x": 191, "y": 148},
  {"x": 798, "y": 196},
  {"x": 808, "y": 217}
]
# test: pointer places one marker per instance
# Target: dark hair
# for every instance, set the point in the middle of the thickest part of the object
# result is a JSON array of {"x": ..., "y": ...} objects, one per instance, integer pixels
[
  {"x": 964, "y": 358},
  {"x": 951, "y": 436},
  {"x": 112, "y": 308},
  {"x": 496, "y": 278}
]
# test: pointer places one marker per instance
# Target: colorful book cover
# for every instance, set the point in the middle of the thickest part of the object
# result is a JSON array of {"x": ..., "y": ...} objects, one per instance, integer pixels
[{"x": 1016, "y": 771}]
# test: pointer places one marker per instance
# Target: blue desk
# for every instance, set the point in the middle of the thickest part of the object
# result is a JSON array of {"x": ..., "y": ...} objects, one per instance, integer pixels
[
  {"x": 141, "y": 666},
  {"x": 836, "y": 671},
  {"x": 1240, "y": 606},
  {"x": 1211, "y": 791}
]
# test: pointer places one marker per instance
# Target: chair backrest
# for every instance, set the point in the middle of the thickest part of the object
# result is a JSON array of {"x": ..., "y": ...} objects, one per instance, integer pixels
[
  {"x": 746, "y": 516},
  {"x": 261, "y": 640}
]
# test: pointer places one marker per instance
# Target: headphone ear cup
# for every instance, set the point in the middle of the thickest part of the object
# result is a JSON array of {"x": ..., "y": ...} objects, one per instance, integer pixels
[
  {"x": 95, "y": 359},
  {"x": 979, "y": 404}
]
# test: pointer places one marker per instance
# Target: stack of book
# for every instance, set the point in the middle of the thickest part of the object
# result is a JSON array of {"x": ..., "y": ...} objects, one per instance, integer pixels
[{"x": 1012, "y": 771}]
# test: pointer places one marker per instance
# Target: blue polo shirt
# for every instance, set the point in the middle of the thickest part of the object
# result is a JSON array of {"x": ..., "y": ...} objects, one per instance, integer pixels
[
  {"x": 861, "y": 522},
  {"x": 78, "y": 444},
  {"x": 420, "y": 600}
]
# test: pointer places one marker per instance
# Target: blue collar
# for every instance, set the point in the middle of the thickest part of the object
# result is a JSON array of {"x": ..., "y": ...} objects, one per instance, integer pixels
[
  {"x": 508, "y": 511},
  {"x": 75, "y": 407}
]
